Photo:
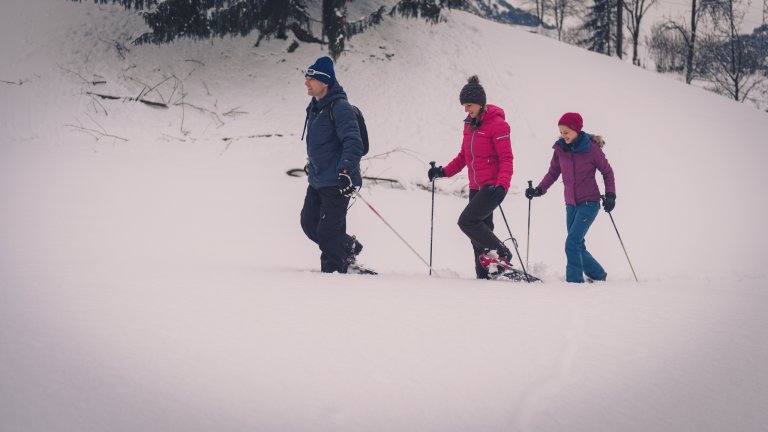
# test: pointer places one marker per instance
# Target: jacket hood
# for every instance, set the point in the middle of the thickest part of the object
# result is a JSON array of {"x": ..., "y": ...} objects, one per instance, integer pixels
[{"x": 491, "y": 112}]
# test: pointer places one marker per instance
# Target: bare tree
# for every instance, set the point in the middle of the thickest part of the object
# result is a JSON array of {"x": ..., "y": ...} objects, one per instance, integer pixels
[
  {"x": 668, "y": 48},
  {"x": 689, "y": 34},
  {"x": 733, "y": 57},
  {"x": 765, "y": 11},
  {"x": 540, "y": 10},
  {"x": 636, "y": 9},
  {"x": 561, "y": 9}
]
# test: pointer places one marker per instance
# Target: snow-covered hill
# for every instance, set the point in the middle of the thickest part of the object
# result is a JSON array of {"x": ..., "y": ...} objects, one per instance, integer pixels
[{"x": 153, "y": 274}]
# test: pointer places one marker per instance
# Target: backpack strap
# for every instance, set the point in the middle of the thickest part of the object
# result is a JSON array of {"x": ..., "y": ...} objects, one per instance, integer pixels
[
  {"x": 306, "y": 121},
  {"x": 303, "y": 131}
]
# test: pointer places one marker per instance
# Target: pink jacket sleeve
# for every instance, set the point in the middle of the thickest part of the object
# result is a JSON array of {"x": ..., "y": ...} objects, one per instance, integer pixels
[
  {"x": 456, "y": 165},
  {"x": 503, "y": 145}
]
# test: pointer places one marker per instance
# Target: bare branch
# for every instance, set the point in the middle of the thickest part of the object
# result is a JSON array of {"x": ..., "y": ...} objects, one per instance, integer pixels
[
  {"x": 214, "y": 115},
  {"x": 159, "y": 84},
  {"x": 94, "y": 133},
  {"x": 74, "y": 73},
  {"x": 183, "y": 111},
  {"x": 234, "y": 113},
  {"x": 119, "y": 46},
  {"x": 144, "y": 101},
  {"x": 103, "y": 96},
  {"x": 95, "y": 101},
  {"x": 299, "y": 172},
  {"x": 407, "y": 152}
]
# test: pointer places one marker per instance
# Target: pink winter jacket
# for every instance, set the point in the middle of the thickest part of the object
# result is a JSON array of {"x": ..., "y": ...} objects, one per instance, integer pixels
[{"x": 487, "y": 151}]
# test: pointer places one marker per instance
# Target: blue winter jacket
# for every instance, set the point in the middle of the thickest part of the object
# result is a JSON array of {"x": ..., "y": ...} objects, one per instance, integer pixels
[{"x": 331, "y": 150}]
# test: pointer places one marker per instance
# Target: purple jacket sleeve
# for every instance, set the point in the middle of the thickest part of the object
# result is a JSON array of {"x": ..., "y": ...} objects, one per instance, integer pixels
[
  {"x": 552, "y": 174},
  {"x": 601, "y": 162}
]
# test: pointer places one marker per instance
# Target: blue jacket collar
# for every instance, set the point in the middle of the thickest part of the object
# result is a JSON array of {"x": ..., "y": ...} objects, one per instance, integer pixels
[
  {"x": 579, "y": 145},
  {"x": 334, "y": 92}
]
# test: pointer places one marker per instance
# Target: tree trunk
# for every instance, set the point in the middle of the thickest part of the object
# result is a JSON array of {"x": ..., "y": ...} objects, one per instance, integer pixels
[
  {"x": 635, "y": 38},
  {"x": 737, "y": 65},
  {"x": 619, "y": 27},
  {"x": 691, "y": 45}
]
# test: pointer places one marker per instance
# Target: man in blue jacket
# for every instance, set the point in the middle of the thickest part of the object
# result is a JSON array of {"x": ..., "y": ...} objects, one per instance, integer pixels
[{"x": 334, "y": 149}]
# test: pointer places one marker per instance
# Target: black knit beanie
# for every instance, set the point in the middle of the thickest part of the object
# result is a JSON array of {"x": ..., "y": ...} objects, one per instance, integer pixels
[{"x": 472, "y": 92}]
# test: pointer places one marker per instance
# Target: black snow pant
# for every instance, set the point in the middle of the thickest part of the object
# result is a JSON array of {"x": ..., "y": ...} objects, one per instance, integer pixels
[
  {"x": 324, "y": 221},
  {"x": 476, "y": 221}
]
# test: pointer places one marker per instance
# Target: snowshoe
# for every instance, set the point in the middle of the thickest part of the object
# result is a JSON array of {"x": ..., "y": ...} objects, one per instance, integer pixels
[
  {"x": 500, "y": 267},
  {"x": 355, "y": 268},
  {"x": 516, "y": 275}
]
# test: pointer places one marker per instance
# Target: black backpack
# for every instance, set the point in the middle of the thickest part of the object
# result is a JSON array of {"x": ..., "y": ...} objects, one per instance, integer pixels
[{"x": 360, "y": 125}]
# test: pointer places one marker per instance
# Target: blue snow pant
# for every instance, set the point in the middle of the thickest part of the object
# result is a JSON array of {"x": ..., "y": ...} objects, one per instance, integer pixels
[
  {"x": 578, "y": 220},
  {"x": 324, "y": 221}
]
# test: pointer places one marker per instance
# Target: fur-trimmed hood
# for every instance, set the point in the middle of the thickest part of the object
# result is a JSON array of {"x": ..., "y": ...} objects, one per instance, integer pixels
[{"x": 581, "y": 144}]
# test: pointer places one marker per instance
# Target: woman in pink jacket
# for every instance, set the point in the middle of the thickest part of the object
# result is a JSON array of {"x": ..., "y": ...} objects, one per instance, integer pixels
[{"x": 486, "y": 151}]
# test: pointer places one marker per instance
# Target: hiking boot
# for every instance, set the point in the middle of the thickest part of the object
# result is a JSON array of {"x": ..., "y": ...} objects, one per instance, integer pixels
[
  {"x": 592, "y": 280},
  {"x": 505, "y": 255},
  {"x": 354, "y": 248},
  {"x": 494, "y": 262}
]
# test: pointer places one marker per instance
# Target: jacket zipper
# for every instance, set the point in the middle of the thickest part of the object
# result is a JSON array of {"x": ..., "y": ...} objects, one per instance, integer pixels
[
  {"x": 472, "y": 152},
  {"x": 573, "y": 159}
]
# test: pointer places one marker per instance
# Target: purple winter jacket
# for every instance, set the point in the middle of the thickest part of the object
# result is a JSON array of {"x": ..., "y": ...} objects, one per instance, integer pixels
[{"x": 577, "y": 163}]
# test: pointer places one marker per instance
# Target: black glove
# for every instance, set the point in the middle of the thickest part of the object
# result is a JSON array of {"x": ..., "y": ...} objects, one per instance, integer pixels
[
  {"x": 609, "y": 201},
  {"x": 344, "y": 183},
  {"x": 497, "y": 193},
  {"x": 530, "y": 193},
  {"x": 435, "y": 172}
]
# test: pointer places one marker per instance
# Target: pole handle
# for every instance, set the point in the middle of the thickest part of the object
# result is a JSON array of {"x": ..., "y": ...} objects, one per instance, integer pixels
[
  {"x": 530, "y": 183},
  {"x": 432, "y": 164}
]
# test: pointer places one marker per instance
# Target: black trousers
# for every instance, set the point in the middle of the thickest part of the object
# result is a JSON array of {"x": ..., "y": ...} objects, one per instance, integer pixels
[
  {"x": 324, "y": 221},
  {"x": 476, "y": 221}
]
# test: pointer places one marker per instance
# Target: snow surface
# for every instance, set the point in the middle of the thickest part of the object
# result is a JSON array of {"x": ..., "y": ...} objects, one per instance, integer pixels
[{"x": 160, "y": 280}]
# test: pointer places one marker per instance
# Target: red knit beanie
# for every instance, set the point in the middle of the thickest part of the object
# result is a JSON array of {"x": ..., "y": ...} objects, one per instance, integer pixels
[{"x": 572, "y": 120}]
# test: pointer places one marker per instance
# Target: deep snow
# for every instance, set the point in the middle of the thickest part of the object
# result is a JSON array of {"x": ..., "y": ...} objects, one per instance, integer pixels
[{"x": 161, "y": 281}]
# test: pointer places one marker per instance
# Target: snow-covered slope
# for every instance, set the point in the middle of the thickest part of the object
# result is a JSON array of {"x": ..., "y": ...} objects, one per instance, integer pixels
[{"x": 157, "y": 278}]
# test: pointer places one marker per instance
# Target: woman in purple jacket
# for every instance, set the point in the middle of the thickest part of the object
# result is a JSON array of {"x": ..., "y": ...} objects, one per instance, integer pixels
[{"x": 577, "y": 156}]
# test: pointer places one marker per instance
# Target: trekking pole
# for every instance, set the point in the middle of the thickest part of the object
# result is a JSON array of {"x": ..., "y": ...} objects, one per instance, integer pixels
[
  {"x": 432, "y": 220},
  {"x": 528, "y": 241},
  {"x": 514, "y": 243},
  {"x": 394, "y": 231},
  {"x": 622, "y": 243}
]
